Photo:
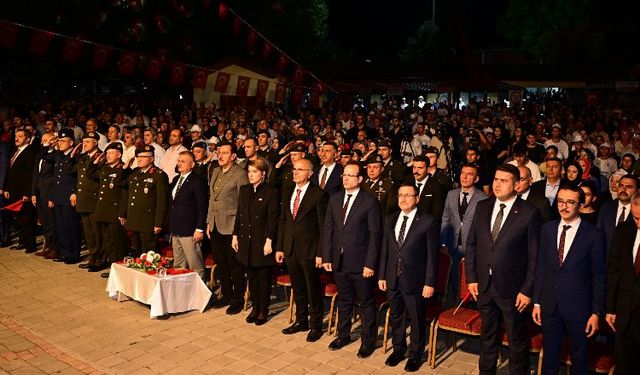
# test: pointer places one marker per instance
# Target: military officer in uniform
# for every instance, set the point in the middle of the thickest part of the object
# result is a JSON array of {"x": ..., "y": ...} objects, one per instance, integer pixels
[
  {"x": 282, "y": 174},
  {"x": 391, "y": 168},
  {"x": 381, "y": 188},
  {"x": 87, "y": 195},
  {"x": 63, "y": 198},
  {"x": 147, "y": 202},
  {"x": 112, "y": 203}
]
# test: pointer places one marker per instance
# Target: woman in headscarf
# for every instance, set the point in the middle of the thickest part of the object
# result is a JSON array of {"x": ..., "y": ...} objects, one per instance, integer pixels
[
  {"x": 585, "y": 163},
  {"x": 573, "y": 174}
]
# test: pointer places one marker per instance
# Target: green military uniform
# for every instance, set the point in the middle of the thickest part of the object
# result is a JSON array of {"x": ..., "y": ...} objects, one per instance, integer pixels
[
  {"x": 112, "y": 204},
  {"x": 147, "y": 203},
  {"x": 86, "y": 198},
  {"x": 384, "y": 190}
]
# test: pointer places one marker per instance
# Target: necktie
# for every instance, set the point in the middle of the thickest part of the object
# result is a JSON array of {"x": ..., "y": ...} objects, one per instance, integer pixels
[
  {"x": 496, "y": 224},
  {"x": 403, "y": 228},
  {"x": 563, "y": 236},
  {"x": 622, "y": 215},
  {"x": 13, "y": 158},
  {"x": 323, "y": 181},
  {"x": 636, "y": 263},
  {"x": 296, "y": 203},
  {"x": 419, "y": 186},
  {"x": 464, "y": 205},
  {"x": 345, "y": 207},
  {"x": 180, "y": 181}
]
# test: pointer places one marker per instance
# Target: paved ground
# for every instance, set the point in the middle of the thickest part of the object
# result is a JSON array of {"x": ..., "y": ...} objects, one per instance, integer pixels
[{"x": 56, "y": 318}]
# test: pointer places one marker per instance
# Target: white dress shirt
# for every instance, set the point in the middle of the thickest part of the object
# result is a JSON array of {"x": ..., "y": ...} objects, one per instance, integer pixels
[
  {"x": 570, "y": 236},
  {"x": 421, "y": 186},
  {"x": 525, "y": 195},
  {"x": 175, "y": 188},
  {"x": 550, "y": 191},
  {"x": 469, "y": 195},
  {"x": 353, "y": 194},
  {"x": 170, "y": 160},
  {"x": 411, "y": 216},
  {"x": 329, "y": 170},
  {"x": 295, "y": 191},
  {"x": 507, "y": 209},
  {"x": 619, "y": 211},
  {"x": 634, "y": 251}
]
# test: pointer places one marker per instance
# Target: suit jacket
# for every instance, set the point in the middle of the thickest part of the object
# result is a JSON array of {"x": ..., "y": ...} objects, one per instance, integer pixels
[
  {"x": 5, "y": 156},
  {"x": 304, "y": 232},
  {"x": 255, "y": 222},
  {"x": 188, "y": 209},
  {"x": 623, "y": 287},
  {"x": 358, "y": 238},
  {"x": 334, "y": 180},
  {"x": 223, "y": 203},
  {"x": 419, "y": 266},
  {"x": 577, "y": 287},
  {"x": 512, "y": 256},
  {"x": 19, "y": 175},
  {"x": 43, "y": 179},
  {"x": 432, "y": 198},
  {"x": 539, "y": 200},
  {"x": 453, "y": 230},
  {"x": 538, "y": 189},
  {"x": 607, "y": 219},
  {"x": 65, "y": 176}
]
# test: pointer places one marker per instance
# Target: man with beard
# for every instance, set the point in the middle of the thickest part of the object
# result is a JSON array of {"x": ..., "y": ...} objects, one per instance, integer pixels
[
  {"x": 431, "y": 192},
  {"x": 615, "y": 212}
]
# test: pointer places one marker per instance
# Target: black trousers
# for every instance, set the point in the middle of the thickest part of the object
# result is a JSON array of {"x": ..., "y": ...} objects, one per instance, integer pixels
[
  {"x": 230, "y": 271},
  {"x": 307, "y": 291},
  {"x": 46, "y": 216},
  {"x": 113, "y": 246},
  {"x": 554, "y": 328},
  {"x": 92, "y": 237},
  {"x": 5, "y": 221},
  {"x": 353, "y": 286},
  {"x": 26, "y": 219},
  {"x": 67, "y": 232},
  {"x": 143, "y": 242},
  {"x": 402, "y": 304},
  {"x": 494, "y": 310},
  {"x": 627, "y": 346},
  {"x": 260, "y": 288}
]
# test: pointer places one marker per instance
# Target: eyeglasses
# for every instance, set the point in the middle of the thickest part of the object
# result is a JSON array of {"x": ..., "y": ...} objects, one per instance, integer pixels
[
  {"x": 567, "y": 203},
  {"x": 350, "y": 175},
  {"x": 406, "y": 195}
]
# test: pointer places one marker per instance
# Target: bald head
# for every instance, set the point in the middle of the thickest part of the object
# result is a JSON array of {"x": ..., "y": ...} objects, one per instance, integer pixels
[{"x": 525, "y": 180}]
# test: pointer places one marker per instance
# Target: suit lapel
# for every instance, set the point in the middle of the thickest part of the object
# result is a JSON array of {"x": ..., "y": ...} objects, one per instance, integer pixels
[
  {"x": 184, "y": 183},
  {"x": 354, "y": 205},
  {"x": 513, "y": 214},
  {"x": 572, "y": 249},
  {"x": 304, "y": 202},
  {"x": 410, "y": 230},
  {"x": 554, "y": 238}
]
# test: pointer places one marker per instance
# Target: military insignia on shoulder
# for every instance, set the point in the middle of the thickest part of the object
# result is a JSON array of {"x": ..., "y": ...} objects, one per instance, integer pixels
[{"x": 152, "y": 170}]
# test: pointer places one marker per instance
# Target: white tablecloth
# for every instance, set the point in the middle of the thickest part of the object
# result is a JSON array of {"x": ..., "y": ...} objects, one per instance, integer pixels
[{"x": 170, "y": 294}]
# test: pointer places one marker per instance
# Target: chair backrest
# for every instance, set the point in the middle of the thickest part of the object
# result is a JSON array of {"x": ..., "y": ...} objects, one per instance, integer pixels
[
  {"x": 444, "y": 271},
  {"x": 463, "y": 286}
]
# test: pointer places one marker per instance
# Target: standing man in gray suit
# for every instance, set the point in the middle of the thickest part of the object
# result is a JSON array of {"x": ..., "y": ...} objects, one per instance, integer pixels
[
  {"x": 457, "y": 218},
  {"x": 226, "y": 180}
]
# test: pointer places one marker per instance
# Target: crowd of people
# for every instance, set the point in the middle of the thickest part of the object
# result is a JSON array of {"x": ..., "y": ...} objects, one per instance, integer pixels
[{"x": 542, "y": 202}]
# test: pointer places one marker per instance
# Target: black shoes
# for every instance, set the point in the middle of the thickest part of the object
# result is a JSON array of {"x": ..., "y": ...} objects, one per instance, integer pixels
[
  {"x": 314, "y": 335},
  {"x": 70, "y": 261},
  {"x": 252, "y": 317},
  {"x": 234, "y": 309},
  {"x": 339, "y": 343},
  {"x": 394, "y": 359},
  {"x": 84, "y": 266},
  {"x": 295, "y": 328},
  {"x": 97, "y": 267},
  {"x": 104, "y": 275},
  {"x": 413, "y": 365},
  {"x": 365, "y": 351},
  {"x": 261, "y": 321},
  {"x": 220, "y": 304}
]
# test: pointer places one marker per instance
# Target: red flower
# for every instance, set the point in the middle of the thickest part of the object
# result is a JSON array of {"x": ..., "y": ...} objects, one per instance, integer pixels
[
  {"x": 147, "y": 264},
  {"x": 138, "y": 260}
]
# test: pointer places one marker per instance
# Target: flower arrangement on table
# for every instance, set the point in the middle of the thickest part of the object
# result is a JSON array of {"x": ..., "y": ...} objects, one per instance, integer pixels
[{"x": 151, "y": 261}]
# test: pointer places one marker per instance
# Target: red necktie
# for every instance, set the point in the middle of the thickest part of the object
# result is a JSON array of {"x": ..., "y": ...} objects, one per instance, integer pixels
[
  {"x": 563, "y": 237},
  {"x": 636, "y": 263},
  {"x": 296, "y": 203},
  {"x": 323, "y": 181}
]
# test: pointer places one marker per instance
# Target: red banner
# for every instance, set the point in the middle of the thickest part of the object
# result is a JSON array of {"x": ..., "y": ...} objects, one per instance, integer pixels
[
  {"x": 8, "y": 34},
  {"x": 40, "y": 42},
  {"x": 222, "y": 82},
  {"x": 71, "y": 50},
  {"x": 261, "y": 89},
  {"x": 154, "y": 68},
  {"x": 101, "y": 56},
  {"x": 243, "y": 86},
  {"x": 266, "y": 49},
  {"x": 252, "y": 36},
  {"x": 283, "y": 61},
  {"x": 200, "y": 76},
  {"x": 280, "y": 92},
  {"x": 298, "y": 74},
  {"x": 177, "y": 74},
  {"x": 128, "y": 62},
  {"x": 297, "y": 95},
  {"x": 223, "y": 10},
  {"x": 237, "y": 24}
]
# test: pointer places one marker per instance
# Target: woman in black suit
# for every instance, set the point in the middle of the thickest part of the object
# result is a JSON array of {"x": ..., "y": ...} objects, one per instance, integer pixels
[{"x": 255, "y": 229}]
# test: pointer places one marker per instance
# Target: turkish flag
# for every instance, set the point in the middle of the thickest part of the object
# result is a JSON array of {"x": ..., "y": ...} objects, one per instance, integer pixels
[
  {"x": 261, "y": 89},
  {"x": 71, "y": 50},
  {"x": 252, "y": 36},
  {"x": 40, "y": 42},
  {"x": 223, "y": 9},
  {"x": 128, "y": 62},
  {"x": 178, "y": 71},
  {"x": 154, "y": 67},
  {"x": 297, "y": 95},
  {"x": 101, "y": 56},
  {"x": 283, "y": 61},
  {"x": 266, "y": 49},
  {"x": 222, "y": 82},
  {"x": 200, "y": 76},
  {"x": 242, "y": 87},
  {"x": 15, "y": 206},
  {"x": 298, "y": 74},
  {"x": 237, "y": 24},
  {"x": 8, "y": 34},
  {"x": 280, "y": 91}
]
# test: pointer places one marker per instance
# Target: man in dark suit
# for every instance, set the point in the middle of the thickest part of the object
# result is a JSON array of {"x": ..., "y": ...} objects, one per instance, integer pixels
[
  {"x": 5, "y": 216},
  {"x": 501, "y": 260},
  {"x": 569, "y": 285},
  {"x": 18, "y": 187},
  {"x": 549, "y": 185},
  {"x": 535, "y": 197},
  {"x": 391, "y": 168},
  {"x": 623, "y": 291},
  {"x": 351, "y": 243},
  {"x": 299, "y": 244},
  {"x": 43, "y": 183},
  {"x": 432, "y": 193},
  {"x": 613, "y": 213},
  {"x": 328, "y": 176},
  {"x": 187, "y": 215},
  {"x": 408, "y": 273}
]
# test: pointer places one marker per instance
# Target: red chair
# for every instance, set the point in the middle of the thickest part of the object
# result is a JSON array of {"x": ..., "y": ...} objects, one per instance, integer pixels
[
  {"x": 463, "y": 320},
  {"x": 284, "y": 280},
  {"x": 534, "y": 336},
  {"x": 330, "y": 289}
]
